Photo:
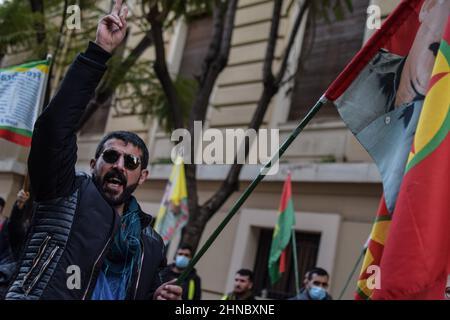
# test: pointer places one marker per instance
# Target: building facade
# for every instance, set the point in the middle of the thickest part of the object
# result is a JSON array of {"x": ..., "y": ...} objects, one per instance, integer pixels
[{"x": 336, "y": 187}]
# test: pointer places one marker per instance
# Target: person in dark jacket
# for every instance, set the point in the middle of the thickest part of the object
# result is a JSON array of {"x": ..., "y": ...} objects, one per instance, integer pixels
[
  {"x": 192, "y": 287},
  {"x": 2, "y": 218},
  {"x": 88, "y": 238},
  {"x": 18, "y": 224},
  {"x": 12, "y": 238},
  {"x": 315, "y": 286},
  {"x": 243, "y": 286}
]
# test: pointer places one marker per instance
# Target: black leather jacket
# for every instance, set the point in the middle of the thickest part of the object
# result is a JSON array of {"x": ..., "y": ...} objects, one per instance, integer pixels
[{"x": 73, "y": 226}]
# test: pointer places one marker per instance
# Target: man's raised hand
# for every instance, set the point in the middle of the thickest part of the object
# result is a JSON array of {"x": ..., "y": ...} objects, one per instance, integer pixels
[{"x": 113, "y": 27}]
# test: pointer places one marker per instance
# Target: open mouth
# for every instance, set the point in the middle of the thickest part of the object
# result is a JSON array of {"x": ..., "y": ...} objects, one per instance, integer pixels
[{"x": 114, "y": 184}]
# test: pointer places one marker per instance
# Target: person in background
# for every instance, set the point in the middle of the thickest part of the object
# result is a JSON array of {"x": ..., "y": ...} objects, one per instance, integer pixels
[
  {"x": 243, "y": 286},
  {"x": 192, "y": 288},
  {"x": 316, "y": 286},
  {"x": 2, "y": 206},
  {"x": 12, "y": 237},
  {"x": 89, "y": 221}
]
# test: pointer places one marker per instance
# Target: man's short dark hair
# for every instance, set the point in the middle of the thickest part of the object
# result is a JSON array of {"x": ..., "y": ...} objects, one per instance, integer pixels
[
  {"x": 246, "y": 273},
  {"x": 185, "y": 246},
  {"x": 128, "y": 137},
  {"x": 2, "y": 202},
  {"x": 319, "y": 271}
]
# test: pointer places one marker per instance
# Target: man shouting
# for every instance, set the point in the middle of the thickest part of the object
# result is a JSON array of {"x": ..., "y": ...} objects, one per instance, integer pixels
[{"x": 89, "y": 238}]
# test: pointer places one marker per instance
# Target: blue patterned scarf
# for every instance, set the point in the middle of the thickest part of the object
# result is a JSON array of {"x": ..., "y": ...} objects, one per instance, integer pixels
[{"x": 122, "y": 258}]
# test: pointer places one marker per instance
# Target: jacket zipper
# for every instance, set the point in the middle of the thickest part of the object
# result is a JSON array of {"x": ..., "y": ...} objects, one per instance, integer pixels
[
  {"x": 36, "y": 260},
  {"x": 95, "y": 265},
  {"x": 139, "y": 272},
  {"x": 101, "y": 255},
  {"x": 43, "y": 268}
]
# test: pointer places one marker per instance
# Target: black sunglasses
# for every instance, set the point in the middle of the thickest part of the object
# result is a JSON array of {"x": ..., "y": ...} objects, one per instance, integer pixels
[{"x": 111, "y": 156}]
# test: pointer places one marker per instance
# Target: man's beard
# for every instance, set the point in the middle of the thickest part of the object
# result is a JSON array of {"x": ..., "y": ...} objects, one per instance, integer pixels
[
  {"x": 238, "y": 290},
  {"x": 114, "y": 200}
]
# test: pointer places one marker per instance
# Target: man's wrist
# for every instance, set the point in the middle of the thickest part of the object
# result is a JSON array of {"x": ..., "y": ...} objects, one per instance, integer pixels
[{"x": 97, "y": 53}]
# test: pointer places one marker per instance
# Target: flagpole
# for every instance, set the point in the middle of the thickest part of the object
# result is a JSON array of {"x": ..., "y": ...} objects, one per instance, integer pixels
[
  {"x": 49, "y": 58},
  {"x": 361, "y": 255},
  {"x": 312, "y": 112},
  {"x": 294, "y": 255}
]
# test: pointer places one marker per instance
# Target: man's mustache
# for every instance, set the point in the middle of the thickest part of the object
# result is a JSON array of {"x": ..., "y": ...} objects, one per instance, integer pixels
[{"x": 115, "y": 174}]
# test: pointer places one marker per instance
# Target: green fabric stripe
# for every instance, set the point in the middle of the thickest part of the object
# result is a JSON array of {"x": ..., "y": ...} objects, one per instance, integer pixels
[
  {"x": 22, "y": 132},
  {"x": 27, "y": 65},
  {"x": 286, "y": 220},
  {"x": 442, "y": 132},
  {"x": 362, "y": 294},
  {"x": 445, "y": 48},
  {"x": 432, "y": 145},
  {"x": 383, "y": 218}
]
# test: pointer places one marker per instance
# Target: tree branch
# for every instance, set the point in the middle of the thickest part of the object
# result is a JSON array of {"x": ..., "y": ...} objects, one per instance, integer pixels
[
  {"x": 55, "y": 54},
  {"x": 215, "y": 62},
  {"x": 271, "y": 87},
  {"x": 218, "y": 63},
  {"x": 160, "y": 67},
  {"x": 272, "y": 43},
  {"x": 227, "y": 34},
  {"x": 192, "y": 227},
  {"x": 37, "y": 6},
  {"x": 293, "y": 35},
  {"x": 106, "y": 89},
  {"x": 214, "y": 47},
  {"x": 61, "y": 29},
  {"x": 231, "y": 182}
]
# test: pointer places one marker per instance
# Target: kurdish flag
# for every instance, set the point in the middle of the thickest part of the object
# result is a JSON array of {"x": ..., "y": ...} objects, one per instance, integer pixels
[
  {"x": 282, "y": 233},
  {"x": 416, "y": 258},
  {"x": 173, "y": 213},
  {"x": 396, "y": 105},
  {"x": 21, "y": 95}
]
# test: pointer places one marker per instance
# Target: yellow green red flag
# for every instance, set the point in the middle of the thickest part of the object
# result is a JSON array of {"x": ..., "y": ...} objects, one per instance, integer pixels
[
  {"x": 173, "y": 212},
  {"x": 21, "y": 95},
  {"x": 394, "y": 97}
]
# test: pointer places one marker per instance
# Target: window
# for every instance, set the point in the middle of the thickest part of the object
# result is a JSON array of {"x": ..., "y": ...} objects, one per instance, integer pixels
[
  {"x": 197, "y": 44},
  {"x": 327, "y": 48},
  {"x": 307, "y": 252}
]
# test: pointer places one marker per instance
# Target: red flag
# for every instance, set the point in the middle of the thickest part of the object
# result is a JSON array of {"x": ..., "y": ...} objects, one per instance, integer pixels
[
  {"x": 282, "y": 266},
  {"x": 417, "y": 255},
  {"x": 282, "y": 233},
  {"x": 381, "y": 97}
]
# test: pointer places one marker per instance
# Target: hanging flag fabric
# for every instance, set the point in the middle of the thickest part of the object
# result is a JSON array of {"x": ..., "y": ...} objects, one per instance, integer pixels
[
  {"x": 282, "y": 233},
  {"x": 21, "y": 92},
  {"x": 374, "y": 250},
  {"x": 380, "y": 95},
  {"x": 173, "y": 213},
  {"x": 419, "y": 237}
]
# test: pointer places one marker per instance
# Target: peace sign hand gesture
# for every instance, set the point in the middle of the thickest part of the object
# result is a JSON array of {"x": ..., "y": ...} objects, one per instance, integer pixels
[{"x": 112, "y": 28}]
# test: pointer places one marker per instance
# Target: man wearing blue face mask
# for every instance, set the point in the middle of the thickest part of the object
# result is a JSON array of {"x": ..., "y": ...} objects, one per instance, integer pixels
[
  {"x": 192, "y": 284},
  {"x": 316, "y": 286}
]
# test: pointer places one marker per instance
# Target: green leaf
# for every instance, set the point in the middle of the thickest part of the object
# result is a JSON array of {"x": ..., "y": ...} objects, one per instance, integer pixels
[
  {"x": 349, "y": 4},
  {"x": 338, "y": 12}
]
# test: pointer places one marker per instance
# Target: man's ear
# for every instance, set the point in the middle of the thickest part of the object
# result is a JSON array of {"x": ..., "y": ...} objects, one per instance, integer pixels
[
  {"x": 92, "y": 165},
  {"x": 143, "y": 177}
]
